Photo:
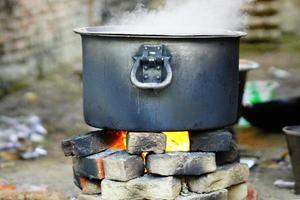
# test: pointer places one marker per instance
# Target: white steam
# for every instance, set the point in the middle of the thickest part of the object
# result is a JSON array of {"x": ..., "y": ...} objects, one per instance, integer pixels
[{"x": 185, "y": 16}]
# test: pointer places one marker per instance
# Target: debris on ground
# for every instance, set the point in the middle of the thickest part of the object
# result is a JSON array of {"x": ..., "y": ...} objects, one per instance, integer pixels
[
  {"x": 33, "y": 154},
  {"x": 19, "y": 138},
  {"x": 8, "y": 194},
  {"x": 4, "y": 185},
  {"x": 27, "y": 191},
  {"x": 284, "y": 184},
  {"x": 282, "y": 161},
  {"x": 251, "y": 162},
  {"x": 30, "y": 97},
  {"x": 279, "y": 73}
]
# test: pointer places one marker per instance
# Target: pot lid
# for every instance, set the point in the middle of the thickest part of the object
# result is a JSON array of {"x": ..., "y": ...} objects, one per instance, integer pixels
[{"x": 146, "y": 32}]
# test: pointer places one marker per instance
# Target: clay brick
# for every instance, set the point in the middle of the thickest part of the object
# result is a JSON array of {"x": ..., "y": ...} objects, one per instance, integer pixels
[
  {"x": 87, "y": 144},
  {"x": 122, "y": 166},
  {"x": 145, "y": 142},
  {"x": 224, "y": 177},
  {"x": 238, "y": 192},
  {"x": 90, "y": 186},
  {"x": 217, "y": 195},
  {"x": 87, "y": 186},
  {"x": 230, "y": 156},
  {"x": 215, "y": 141},
  {"x": 252, "y": 193},
  {"x": 181, "y": 163},
  {"x": 92, "y": 166},
  {"x": 146, "y": 187}
]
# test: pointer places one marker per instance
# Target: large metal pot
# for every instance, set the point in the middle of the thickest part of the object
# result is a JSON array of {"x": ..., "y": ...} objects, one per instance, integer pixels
[{"x": 140, "y": 81}]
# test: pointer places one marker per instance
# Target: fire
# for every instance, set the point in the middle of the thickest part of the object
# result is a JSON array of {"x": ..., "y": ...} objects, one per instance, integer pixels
[
  {"x": 119, "y": 141},
  {"x": 176, "y": 141}
]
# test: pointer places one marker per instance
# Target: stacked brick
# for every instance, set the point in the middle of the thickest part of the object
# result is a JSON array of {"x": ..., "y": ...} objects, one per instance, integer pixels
[
  {"x": 36, "y": 36},
  {"x": 263, "y": 20},
  {"x": 209, "y": 171}
]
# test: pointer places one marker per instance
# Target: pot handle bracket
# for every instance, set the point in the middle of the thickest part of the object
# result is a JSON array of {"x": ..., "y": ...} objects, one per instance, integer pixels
[{"x": 151, "y": 68}]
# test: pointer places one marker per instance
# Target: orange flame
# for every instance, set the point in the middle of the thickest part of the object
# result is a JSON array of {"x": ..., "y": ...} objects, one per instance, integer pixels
[{"x": 119, "y": 141}]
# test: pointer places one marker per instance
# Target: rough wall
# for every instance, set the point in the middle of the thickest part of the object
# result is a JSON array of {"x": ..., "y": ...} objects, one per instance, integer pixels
[
  {"x": 263, "y": 20},
  {"x": 290, "y": 16},
  {"x": 36, "y": 36}
]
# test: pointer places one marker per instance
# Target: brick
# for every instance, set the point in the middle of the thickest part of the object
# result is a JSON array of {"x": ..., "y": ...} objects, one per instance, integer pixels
[
  {"x": 224, "y": 177},
  {"x": 122, "y": 166},
  {"x": 217, "y": 195},
  {"x": 146, "y": 187},
  {"x": 238, "y": 192},
  {"x": 84, "y": 145},
  {"x": 211, "y": 141},
  {"x": 145, "y": 142},
  {"x": 252, "y": 193},
  {"x": 76, "y": 178},
  {"x": 230, "y": 156},
  {"x": 89, "y": 197},
  {"x": 91, "y": 166},
  {"x": 87, "y": 144},
  {"x": 90, "y": 186},
  {"x": 181, "y": 163}
]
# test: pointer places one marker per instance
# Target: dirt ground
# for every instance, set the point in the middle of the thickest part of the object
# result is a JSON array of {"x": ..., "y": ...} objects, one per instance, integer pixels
[{"x": 59, "y": 104}]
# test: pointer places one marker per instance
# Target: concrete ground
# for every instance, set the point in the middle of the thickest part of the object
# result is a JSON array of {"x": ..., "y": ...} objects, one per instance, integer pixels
[{"x": 58, "y": 102}]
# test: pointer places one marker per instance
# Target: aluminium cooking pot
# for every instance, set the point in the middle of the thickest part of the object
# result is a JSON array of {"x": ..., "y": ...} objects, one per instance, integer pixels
[{"x": 148, "y": 81}]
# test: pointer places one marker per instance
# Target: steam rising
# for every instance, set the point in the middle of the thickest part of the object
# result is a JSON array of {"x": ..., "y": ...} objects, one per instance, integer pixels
[{"x": 185, "y": 16}]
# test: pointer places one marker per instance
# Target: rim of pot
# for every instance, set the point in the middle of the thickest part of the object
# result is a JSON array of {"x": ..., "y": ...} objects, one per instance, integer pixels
[
  {"x": 131, "y": 31},
  {"x": 292, "y": 130}
]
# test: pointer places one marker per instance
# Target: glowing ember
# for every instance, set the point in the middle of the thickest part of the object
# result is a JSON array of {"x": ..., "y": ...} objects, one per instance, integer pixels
[
  {"x": 119, "y": 140},
  {"x": 177, "y": 141}
]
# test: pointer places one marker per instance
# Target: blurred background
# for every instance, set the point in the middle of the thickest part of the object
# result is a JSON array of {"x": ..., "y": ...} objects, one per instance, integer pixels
[{"x": 41, "y": 92}]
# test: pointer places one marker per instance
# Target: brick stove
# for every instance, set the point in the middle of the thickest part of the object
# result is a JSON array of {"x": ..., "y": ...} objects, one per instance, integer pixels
[
  {"x": 145, "y": 81},
  {"x": 116, "y": 165}
]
